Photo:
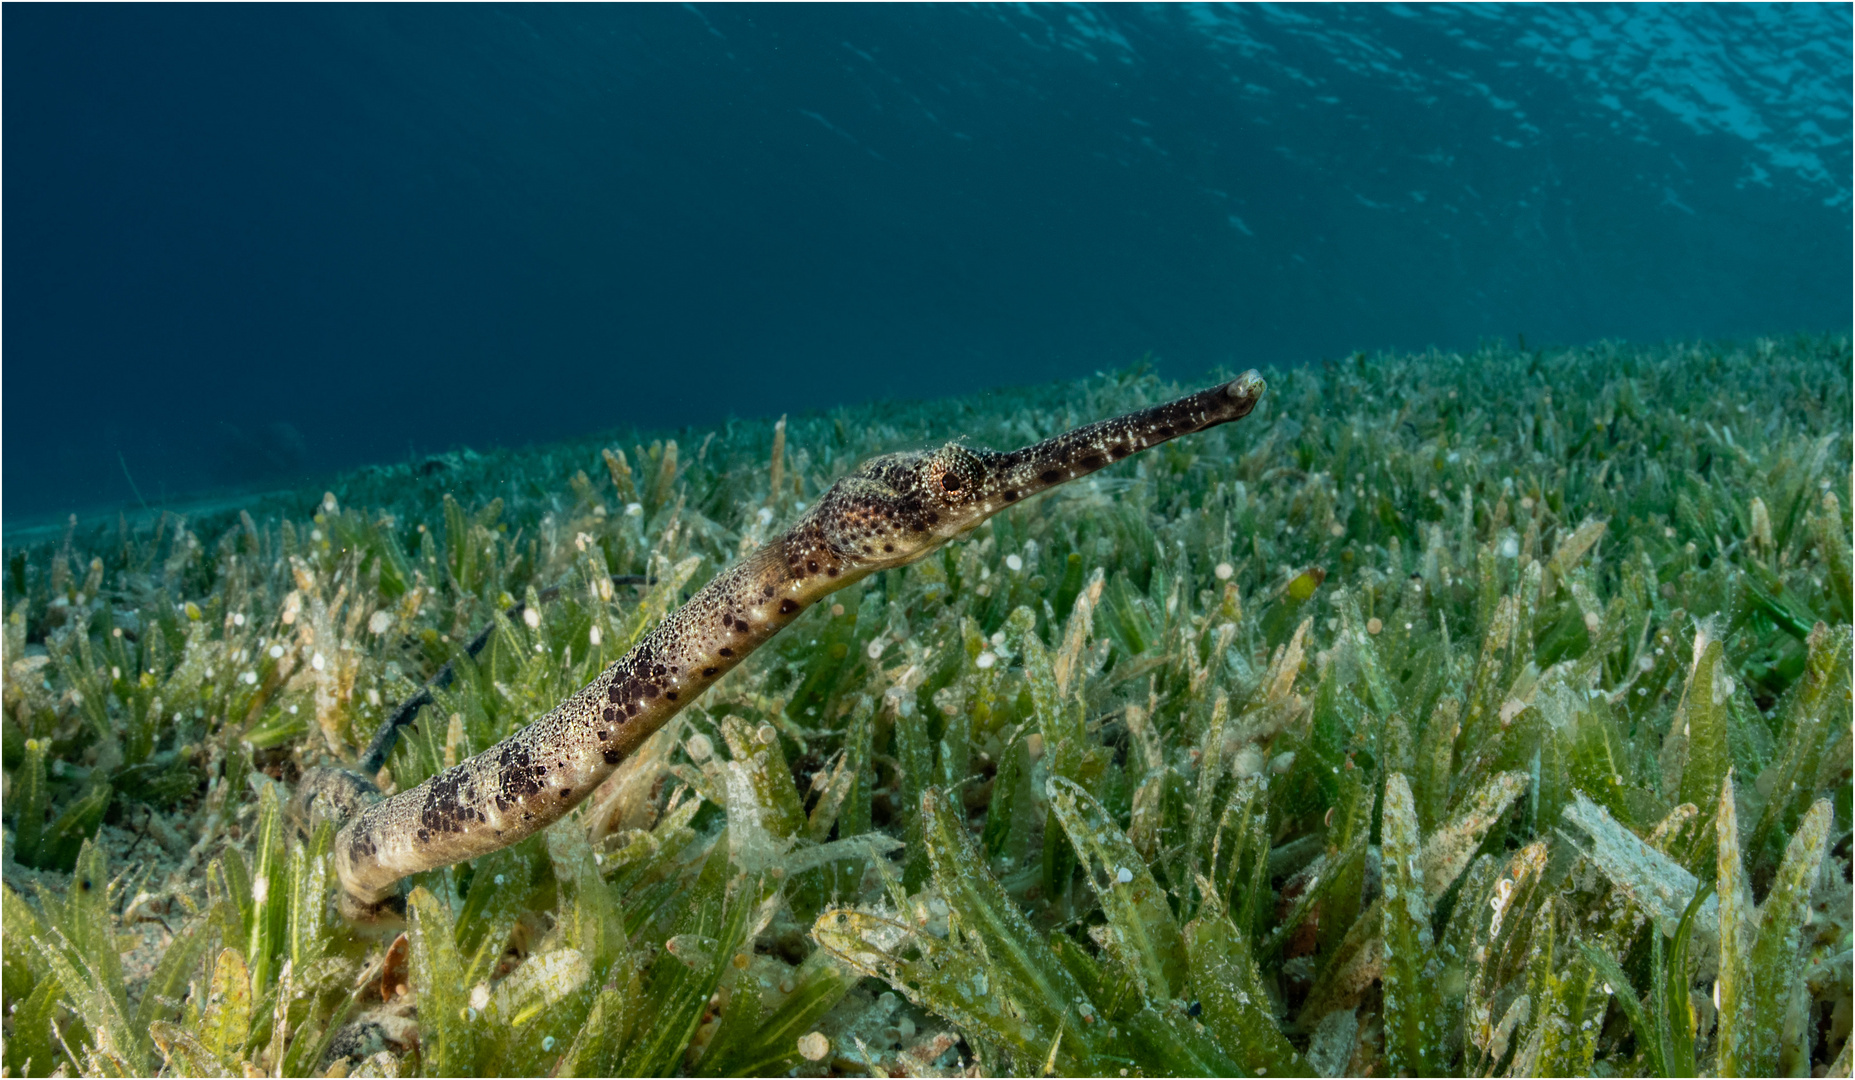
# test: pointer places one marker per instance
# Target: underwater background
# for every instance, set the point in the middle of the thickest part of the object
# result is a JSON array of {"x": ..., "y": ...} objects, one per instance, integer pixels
[
  {"x": 254, "y": 243},
  {"x": 1478, "y": 704}
]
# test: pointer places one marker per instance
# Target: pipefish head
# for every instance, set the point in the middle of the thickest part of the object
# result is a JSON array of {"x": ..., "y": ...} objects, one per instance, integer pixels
[{"x": 899, "y": 507}]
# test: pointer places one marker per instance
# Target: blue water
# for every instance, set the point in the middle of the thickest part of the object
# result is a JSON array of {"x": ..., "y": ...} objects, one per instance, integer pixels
[{"x": 245, "y": 245}]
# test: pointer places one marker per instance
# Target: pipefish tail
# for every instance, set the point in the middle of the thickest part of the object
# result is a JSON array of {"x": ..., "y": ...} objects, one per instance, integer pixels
[{"x": 893, "y": 510}]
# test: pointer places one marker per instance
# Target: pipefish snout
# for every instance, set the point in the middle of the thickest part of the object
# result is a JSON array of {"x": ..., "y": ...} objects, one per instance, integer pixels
[{"x": 893, "y": 510}]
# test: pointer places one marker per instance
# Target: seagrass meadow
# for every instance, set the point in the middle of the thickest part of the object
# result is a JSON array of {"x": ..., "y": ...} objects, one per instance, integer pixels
[{"x": 1452, "y": 714}]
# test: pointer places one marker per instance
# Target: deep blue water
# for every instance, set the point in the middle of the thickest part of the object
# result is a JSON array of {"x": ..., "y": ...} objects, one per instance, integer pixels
[{"x": 246, "y": 244}]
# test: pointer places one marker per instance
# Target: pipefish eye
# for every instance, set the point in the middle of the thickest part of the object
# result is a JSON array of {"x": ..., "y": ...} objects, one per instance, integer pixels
[
  {"x": 953, "y": 473},
  {"x": 944, "y": 481}
]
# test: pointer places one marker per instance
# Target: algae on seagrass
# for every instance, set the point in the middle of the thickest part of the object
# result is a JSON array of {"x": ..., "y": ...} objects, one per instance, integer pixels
[{"x": 1456, "y": 700}]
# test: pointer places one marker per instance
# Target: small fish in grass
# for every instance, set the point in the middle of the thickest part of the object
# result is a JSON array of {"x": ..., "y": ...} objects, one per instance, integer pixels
[{"x": 894, "y": 510}]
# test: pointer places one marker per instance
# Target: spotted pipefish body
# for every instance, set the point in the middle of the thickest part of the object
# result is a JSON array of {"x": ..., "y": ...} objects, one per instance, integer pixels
[{"x": 893, "y": 510}]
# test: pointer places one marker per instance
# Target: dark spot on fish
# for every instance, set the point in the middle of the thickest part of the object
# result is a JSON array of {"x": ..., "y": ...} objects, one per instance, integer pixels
[
  {"x": 1093, "y": 461},
  {"x": 520, "y": 774},
  {"x": 650, "y": 690},
  {"x": 671, "y": 694},
  {"x": 613, "y": 757},
  {"x": 788, "y": 606},
  {"x": 725, "y": 651},
  {"x": 566, "y": 791},
  {"x": 709, "y": 672},
  {"x": 1051, "y": 476},
  {"x": 446, "y": 809},
  {"x": 1011, "y": 496}
]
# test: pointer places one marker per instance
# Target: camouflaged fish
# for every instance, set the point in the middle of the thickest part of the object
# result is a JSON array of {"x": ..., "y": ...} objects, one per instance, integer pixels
[{"x": 894, "y": 510}]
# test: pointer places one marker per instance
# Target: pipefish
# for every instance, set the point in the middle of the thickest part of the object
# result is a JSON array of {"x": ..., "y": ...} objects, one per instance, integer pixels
[{"x": 894, "y": 510}]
